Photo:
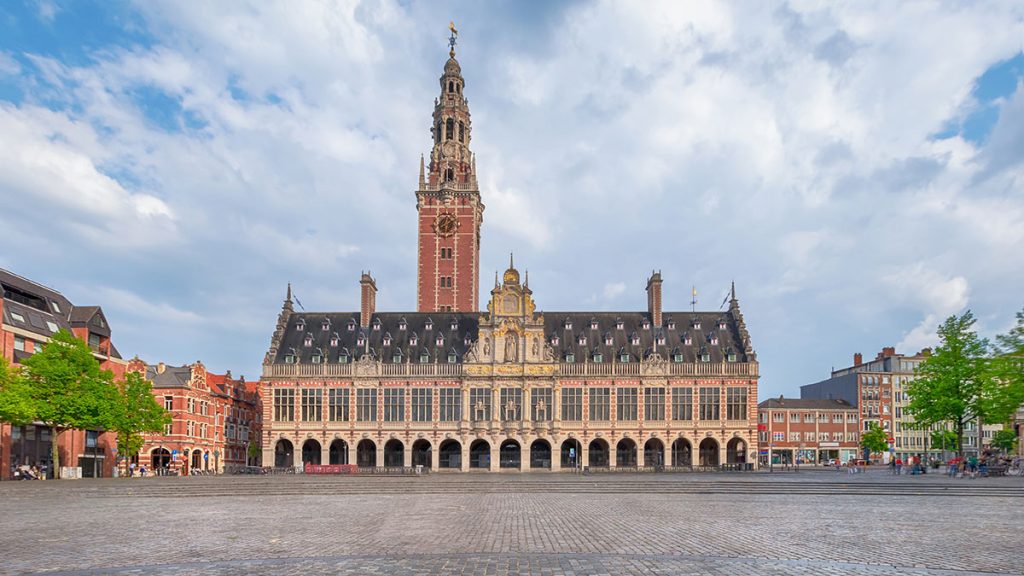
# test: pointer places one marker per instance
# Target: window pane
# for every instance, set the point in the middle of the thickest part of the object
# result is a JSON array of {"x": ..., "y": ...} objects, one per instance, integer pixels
[
  {"x": 450, "y": 400},
  {"x": 682, "y": 404},
  {"x": 394, "y": 404},
  {"x": 654, "y": 403},
  {"x": 572, "y": 404},
  {"x": 710, "y": 403},
  {"x": 625, "y": 406},
  {"x": 366, "y": 404},
  {"x": 600, "y": 404},
  {"x": 480, "y": 401}
]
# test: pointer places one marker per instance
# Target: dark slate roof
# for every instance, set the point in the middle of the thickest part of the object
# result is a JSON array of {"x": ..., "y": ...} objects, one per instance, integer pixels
[
  {"x": 806, "y": 404},
  {"x": 40, "y": 306},
  {"x": 709, "y": 337},
  {"x": 582, "y": 339},
  {"x": 171, "y": 377},
  {"x": 294, "y": 340}
]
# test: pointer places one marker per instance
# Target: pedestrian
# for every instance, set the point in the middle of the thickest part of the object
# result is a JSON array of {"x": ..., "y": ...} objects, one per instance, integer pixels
[
  {"x": 899, "y": 466},
  {"x": 142, "y": 470},
  {"x": 892, "y": 467},
  {"x": 131, "y": 470}
]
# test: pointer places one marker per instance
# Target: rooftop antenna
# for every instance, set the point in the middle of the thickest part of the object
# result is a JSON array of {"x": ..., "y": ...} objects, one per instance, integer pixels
[{"x": 693, "y": 302}]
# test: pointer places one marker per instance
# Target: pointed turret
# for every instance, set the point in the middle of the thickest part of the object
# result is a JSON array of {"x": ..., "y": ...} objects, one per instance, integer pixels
[
  {"x": 741, "y": 326},
  {"x": 282, "y": 323}
]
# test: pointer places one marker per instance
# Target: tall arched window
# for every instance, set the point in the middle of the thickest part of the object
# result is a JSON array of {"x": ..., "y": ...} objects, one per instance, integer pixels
[
  {"x": 437, "y": 134},
  {"x": 449, "y": 131},
  {"x": 451, "y": 87},
  {"x": 462, "y": 132}
]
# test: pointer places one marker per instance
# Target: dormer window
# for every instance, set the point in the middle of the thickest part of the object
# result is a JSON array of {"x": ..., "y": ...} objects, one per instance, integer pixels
[
  {"x": 721, "y": 324},
  {"x": 618, "y": 324},
  {"x": 597, "y": 357},
  {"x": 695, "y": 323},
  {"x": 402, "y": 324},
  {"x": 361, "y": 339},
  {"x": 376, "y": 324},
  {"x": 307, "y": 341},
  {"x": 677, "y": 356},
  {"x": 396, "y": 357},
  {"x": 452, "y": 357},
  {"x": 570, "y": 357},
  {"x": 671, "y": 324},
  {"x": 387, "y": 339},
  {"x": 343, "y": 356},
  {"x": 623, "y": 356},
  {"x": 454, "y": 325},
  {"x": 687, "y": 340},
  {"x": 661, "y": 339},
  {"x": 593, "y": 324},
  {"x": 646, "y": 324},
  {"x": 554, "y": 340},
  {"x": 713, "y": 339},
  {"x": 413, "y": 340},
  {"x": 289, "y": 358},
  {"x": 300, "y": 325},
  {"x": 581, "y": 340},
  {"x": 429, "y": 325},
  {"x": 634, "y": 339},
  {"x": 325, "y": 325},
  {"x": 424, "y": 357},
  {"x": 317, "y": 357},
  {"x": 704, "y": 355},
  {"x": 334, "y": 340},
  {"x": 568, "y": 324},
  {"x": 351, "y": 325},
  {"x": 608, "y": 339},
  {"x": 730, "y": 355},
  {"x": 439, "y": 341},
  {"x": 466, "y": 341}
]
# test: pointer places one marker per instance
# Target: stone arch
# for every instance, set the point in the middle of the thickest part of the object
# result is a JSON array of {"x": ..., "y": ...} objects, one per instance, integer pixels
[
  {"x": 540, "y": 454},
  {"x": 421, "y": 450},
  {"x": 284, "y": 452},
  {"x": 682, "y": 453},
  {"x": 571, "y": 452},
  {"x": 480, "y": 454},
  {"x": 310, "y": 452},
  {"x": 338, "y": 452},
  {"x": 159, "y": 458},
  {"x": 654, "y": 452},
  {"x": 394, "y": 453},
  {"x": 736, "y": 451},
  {"x": 510, "y": 455},
  {"x": 709, "y": 452},
  {"x": 366, "y": 453},
  {"x": 449, "y": 454},
  {"x": 625, "y": 453},
  {"x": 597, "y": 453}
]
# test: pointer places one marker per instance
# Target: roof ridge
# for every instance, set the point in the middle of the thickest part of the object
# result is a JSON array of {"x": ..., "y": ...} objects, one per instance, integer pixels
[{"x": 20, "y": 277}]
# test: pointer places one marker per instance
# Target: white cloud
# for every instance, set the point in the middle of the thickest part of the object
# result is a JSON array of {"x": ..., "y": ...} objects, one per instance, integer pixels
[
  {"x": 613, "y": 290},
  {"x": 8, "y": 65}
]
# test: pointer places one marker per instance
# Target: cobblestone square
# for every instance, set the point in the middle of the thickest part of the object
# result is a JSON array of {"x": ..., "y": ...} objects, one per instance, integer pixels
[{"x": 516, "y": 524}]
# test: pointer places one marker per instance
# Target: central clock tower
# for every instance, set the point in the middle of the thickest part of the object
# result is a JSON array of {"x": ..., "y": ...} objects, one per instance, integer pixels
[{"x": 449, "y": 206}]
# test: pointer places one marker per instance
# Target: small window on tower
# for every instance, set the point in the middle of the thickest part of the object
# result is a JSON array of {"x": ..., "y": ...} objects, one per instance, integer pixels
[
  {"x": 451, "y": 86},
  {"x": 449, "y": 175},
  {"x": 449, "y": 129},
  {"x": 462, "y": 132}
]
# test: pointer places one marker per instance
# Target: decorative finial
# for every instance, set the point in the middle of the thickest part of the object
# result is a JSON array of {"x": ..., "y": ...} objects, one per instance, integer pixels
[
  {"x": 288, "y": 298},
  {"x": 496, "y": 284},
  {"x": 451, "y": 39},
  {"x": 526, "y": 284},
  {"x": 510, "y": 265},
  {"x": 733, "y": 290}
]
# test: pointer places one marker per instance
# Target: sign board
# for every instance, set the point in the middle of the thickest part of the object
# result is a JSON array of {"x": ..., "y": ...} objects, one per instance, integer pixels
[
  {"x": 206, "y": 456},
  {"x": 572, "y": 452},
  {"x": 762, "y": 427},
  {"x": 891, "y": 440},
  {"x": 764, "y": 452},
  {"x": 174, "y": 453}
]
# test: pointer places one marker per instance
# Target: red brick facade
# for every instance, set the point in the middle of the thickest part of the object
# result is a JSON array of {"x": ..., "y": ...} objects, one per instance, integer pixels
[
  {"x": 811, "y": 431},
  {"x": 215, "y": 417}
]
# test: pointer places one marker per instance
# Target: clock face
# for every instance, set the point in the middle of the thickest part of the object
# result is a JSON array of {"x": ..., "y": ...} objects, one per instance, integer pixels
[{"x": 446, "y": 224}]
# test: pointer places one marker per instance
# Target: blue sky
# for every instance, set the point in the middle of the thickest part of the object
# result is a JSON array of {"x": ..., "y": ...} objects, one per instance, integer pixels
[{"x": 179, "y": 163}]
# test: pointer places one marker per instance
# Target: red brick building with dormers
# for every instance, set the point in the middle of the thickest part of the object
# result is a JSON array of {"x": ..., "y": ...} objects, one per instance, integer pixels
[
  {"x": 31, "y": 313},
  {"x": 215, "y": 417},
  {"x": 813, "y": 431}
]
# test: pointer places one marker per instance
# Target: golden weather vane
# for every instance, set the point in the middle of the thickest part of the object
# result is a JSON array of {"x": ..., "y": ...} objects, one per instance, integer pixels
[{"x": 451, "y": 39}]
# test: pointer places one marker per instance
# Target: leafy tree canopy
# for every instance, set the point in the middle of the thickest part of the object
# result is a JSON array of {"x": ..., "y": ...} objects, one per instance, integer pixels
[
  {"x": 137, "y": 412},
  {"x": 1005, "y": 440},
  {"x": 15, "y": 403},
  {"x": 875, "y": 440}
]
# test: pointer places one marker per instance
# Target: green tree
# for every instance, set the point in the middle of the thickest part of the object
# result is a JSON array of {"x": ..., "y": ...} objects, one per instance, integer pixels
[
  {"x": 1007, "y": 369},
  {"x": 15, "y": 404},
  {"x": 954, "y": 384},
  {"x": 875, "y": 440},
  {"x": 254, "y": 450},
  {"x": 1005, "y": 440},
  {"x": 137, "y": 412},
  {"x": 943, "y": 439},
  {"x": 66, "y": 389}
]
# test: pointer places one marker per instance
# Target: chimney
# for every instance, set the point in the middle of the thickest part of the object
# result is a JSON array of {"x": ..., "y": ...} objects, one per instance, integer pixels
[
  {"x": 369, "y": 299},
  {"x": 654, "y": 297},
  {"x": 160, "y": 367},
  {"x": 858, "y": 359},
  {"x": 888, "y": 352}
]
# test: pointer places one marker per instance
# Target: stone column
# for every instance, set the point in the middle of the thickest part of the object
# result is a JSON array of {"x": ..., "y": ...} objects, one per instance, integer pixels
[
  {"x": 325, "y": 453},
  {"x": 556, "y": 457},
  {"x": 407, "y": 456},
  {"x": 352, "y": 452},
  {"x": 380, "y": 455},
  {"x": 584, "y": 455},
  {"x": 612, "y": 454},
  {"x": 464, "y": 465},
  {"x": 297, "y": 455},
  {"x": 639, "y": 454},
  {"x": 722, "y": 453},
  {"x": 435, "y": 456},
  {"x": 495, "y": 457},
  {"x": 524, "y": 457}
]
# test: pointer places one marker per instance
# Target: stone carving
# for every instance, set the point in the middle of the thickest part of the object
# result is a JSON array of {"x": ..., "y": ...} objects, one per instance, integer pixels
[
  {"x": 511, "y": 347},
  {"x": 536, "y": 347},
  {"x": 549, "y": 353},
  {"x": 366, "y": 366},
  {"x": 654, "y": 364},
  {"x": 487, "y": 347}
]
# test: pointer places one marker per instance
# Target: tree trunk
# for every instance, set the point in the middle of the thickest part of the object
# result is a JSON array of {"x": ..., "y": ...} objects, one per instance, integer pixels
[
  {"x": 960, "y": 439},
  {"x": 55, "y": 452}
]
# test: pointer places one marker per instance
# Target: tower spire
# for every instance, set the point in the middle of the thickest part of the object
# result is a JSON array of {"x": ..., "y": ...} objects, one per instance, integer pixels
[{"x": 452, "y": 38}]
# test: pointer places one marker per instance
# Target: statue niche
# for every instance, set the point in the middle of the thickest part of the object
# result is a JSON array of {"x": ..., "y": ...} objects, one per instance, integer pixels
[{"x": 511, "y": 347}]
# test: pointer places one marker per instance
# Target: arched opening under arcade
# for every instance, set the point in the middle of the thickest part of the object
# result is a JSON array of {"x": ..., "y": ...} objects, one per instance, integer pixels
[
  {"x": 338, "y": 452},
  {"x": 159, "y": 459},
  {"x": 366, "y": 453},
  {"x": 571, "y": 451},
  {"x": 480, "y": 454},
  {"x": 654, "y": 452},
  {"x": 598, "y": 453},
  {"x": 394, "y": 452},
  {"x": 510, "y": 455},
  {"x": 682, "y": 453},
  {"x": 421, "y": 453},
  {"x": 625, "y": 453},
  {"x": 449, "y": 454},
  {"x": 197, "y": 459},
  {"x": 283, "y": 454},
  {"x": 736, "y": 451},
  {"x": 310, "y": 452},
  {"x": 540, "y": 454},
  {"x": 708, "y": 452}
]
